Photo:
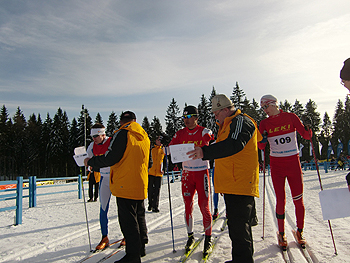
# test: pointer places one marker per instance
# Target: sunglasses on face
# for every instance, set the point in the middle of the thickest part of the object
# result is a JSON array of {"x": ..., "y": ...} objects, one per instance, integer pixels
[
  {"x": 265, "y": 106},
  {"x": 95, "y": 136},
  {"x": 188, "y": 116}
]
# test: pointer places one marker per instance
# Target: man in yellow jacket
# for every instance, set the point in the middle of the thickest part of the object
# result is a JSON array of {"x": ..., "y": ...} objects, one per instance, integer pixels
[
  {"x": 236, "y": 172},
  {"x": 128, "y": 158},
  {"x": 155, "y": 175}
]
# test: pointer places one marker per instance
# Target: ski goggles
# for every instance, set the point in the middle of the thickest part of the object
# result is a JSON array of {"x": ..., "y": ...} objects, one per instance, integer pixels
[{"x": 188, "y": 116}]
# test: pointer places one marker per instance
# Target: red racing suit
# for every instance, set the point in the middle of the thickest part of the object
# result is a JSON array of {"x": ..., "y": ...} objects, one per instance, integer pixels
[
  {"x": 284, "y": 162},
  {"x": 195, "y": 176}
]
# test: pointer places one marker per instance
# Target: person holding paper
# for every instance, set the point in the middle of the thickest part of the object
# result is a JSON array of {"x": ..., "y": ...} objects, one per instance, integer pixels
[
  {"x": 99, "y": 146},
  {"x": 195, "y": 175},
  {"x": 236, "y": 172},
  {"x": 128, "y": 158}
]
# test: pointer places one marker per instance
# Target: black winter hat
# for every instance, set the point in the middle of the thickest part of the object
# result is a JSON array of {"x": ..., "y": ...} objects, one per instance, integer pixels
[
  {"x": 345, "y": 71},
  {"x": 190, "y": 110}
]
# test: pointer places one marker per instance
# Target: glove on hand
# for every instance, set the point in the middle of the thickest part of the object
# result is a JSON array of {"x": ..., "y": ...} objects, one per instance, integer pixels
[{"x": 264, "y": 135}]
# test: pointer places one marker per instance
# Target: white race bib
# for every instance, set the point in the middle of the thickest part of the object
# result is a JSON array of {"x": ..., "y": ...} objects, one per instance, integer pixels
[{"x": 283, "y": 145}]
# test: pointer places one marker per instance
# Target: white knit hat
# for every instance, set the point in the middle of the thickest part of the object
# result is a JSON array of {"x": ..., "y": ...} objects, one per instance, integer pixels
[
  {"x": 268, "y": 100},
  {"x": 219, "y": 102}
]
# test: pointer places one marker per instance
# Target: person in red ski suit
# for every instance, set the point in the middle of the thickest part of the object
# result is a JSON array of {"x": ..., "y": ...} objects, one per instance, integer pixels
[
  {"x": 279, "y": 129},
  {"x": 195, "y": 176}
]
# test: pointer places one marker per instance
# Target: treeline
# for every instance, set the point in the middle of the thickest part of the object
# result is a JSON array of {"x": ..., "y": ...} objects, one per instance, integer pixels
[{"x": 45, "y": 147}]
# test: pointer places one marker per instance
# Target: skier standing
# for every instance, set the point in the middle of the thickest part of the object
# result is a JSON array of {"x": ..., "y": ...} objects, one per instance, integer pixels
[
  {"x": 195, "y": 175},
  {"x": 280, "y": 131},
  {"x": 99, "y": 146},
  {"x": 155, "y": 175}
]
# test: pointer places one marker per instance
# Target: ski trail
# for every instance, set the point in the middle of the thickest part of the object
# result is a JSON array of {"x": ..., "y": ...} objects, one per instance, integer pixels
[{"x": 50, "y": 245}]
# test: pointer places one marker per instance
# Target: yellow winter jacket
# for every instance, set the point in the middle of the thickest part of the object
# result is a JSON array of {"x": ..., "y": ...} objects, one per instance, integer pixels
[
  {"x": 239, "y": 173},
  {"x": 129, "y": 176},
  {"x": 157, "y": 158}
]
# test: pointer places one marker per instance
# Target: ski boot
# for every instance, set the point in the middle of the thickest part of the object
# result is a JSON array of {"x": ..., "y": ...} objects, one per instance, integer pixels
[
  {"x": 207, "y": 245},
  {"x": 215, "y": 214},
  {"x": 103, "y": 244},
  {"x": 282, "y": 240},
  {"x": 190, "y": 242},
  {"x": 300, "y": 238}
]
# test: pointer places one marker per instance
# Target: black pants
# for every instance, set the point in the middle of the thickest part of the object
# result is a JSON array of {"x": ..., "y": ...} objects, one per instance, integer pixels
[
  {"x": 132, "y": 221},
  {"x": 154, "y": 183},
  {"x": 92, "y": 183},
  {"x": 239, "y": 213}
]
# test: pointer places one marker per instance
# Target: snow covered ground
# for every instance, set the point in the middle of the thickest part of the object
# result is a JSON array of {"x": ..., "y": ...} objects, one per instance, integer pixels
[{"x": 56, "y": 231}]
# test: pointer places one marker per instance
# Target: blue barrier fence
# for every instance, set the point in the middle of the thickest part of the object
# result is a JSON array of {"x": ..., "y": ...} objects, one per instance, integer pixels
[{"x": 17, "y": 193}]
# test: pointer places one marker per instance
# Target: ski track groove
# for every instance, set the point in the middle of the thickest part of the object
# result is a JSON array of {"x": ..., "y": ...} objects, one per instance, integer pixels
[
  {"x": 50, "y": 245},
  {"x": 294, "y": 251}
]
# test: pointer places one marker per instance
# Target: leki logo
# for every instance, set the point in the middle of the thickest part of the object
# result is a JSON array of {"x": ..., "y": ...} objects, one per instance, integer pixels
[{"x": 281, "y": 128}]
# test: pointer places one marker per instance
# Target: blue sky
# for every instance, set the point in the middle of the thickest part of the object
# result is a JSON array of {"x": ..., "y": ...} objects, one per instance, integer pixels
[{"x": 138, "y": 55}]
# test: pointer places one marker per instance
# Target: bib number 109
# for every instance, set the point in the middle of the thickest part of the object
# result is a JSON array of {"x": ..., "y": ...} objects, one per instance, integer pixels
[{"x": 283, "y": 140}]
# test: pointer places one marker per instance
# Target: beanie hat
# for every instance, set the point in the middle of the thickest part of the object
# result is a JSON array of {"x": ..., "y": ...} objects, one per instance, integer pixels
[
  {"x": 190, "y": 110},
  {"x": 268, "y": 100},
  {"x": 219, "y": 102},
  {"x": 345, "y": 71}
]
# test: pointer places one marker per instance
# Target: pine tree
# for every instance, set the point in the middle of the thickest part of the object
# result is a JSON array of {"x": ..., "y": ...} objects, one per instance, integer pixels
[
  {"x": 172, "y": 121},
  {"x": 325, "y": 135},
  {"x": 33, "y": 131},
  {"x": 286, "y": 106},
  {"x": 238, "y": 97},
  {"x": 212, "y": 122},
  {"x": 155, "y": 129},
  {"x": 4, "y": 142},
  {"x": 17, "y": 142},
  {"x": 298, "y": 109},
  {"x": 146, "y": 126},
  {"x": 73, "y": 143},
  {"x": 204, "y": 112},
  {"x": 84, "y": 113},
  {"x": 310, "y": 111},
  {"x": 59, "y": 143},
  {"x": 98, "y": 118},
  {"x": 112, "y": 124}
]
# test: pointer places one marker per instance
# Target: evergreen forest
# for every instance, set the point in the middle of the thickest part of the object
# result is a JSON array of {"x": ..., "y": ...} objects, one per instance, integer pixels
[{"x": 44, "y": 146}]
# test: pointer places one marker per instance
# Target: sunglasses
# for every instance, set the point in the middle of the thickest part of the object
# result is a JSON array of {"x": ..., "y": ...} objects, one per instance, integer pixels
[
  {"x": 188, "y": 116},
  {"x": 95, "y": 136},
  {"x": 265, "y": 106}
]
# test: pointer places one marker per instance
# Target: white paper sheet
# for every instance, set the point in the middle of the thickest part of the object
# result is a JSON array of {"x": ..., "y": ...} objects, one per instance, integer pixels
[
  {"x": 178, "y": 152},
  {"x": 80, "y": 155},
  {"x": 335, "y": 203},
  {"x": 79, "y": 150}
]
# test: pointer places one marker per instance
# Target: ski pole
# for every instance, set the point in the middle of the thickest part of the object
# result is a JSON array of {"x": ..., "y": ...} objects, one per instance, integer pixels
[
  {"x": 263, "y": 235},
  {"x": 171, "y": 214},
  {"x": 319, "y": 179},
  {"x": 86, "y": 216}
]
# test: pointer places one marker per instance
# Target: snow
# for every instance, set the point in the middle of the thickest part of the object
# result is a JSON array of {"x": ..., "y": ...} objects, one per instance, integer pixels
[{"x": 56, "y": 230}]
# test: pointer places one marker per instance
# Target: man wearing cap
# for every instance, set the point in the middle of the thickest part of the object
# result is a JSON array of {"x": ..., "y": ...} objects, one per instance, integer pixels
[
  {"x": 345, "y": 74},
  {"x": 128, "y": 158},
  {"x": 195, "y": 175},
  {"x": 280, "y": 129},
  {"x": 98, "y": 147},
  {"x": 236, "y": 172},
  {"x": 155, "y": 175}
]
